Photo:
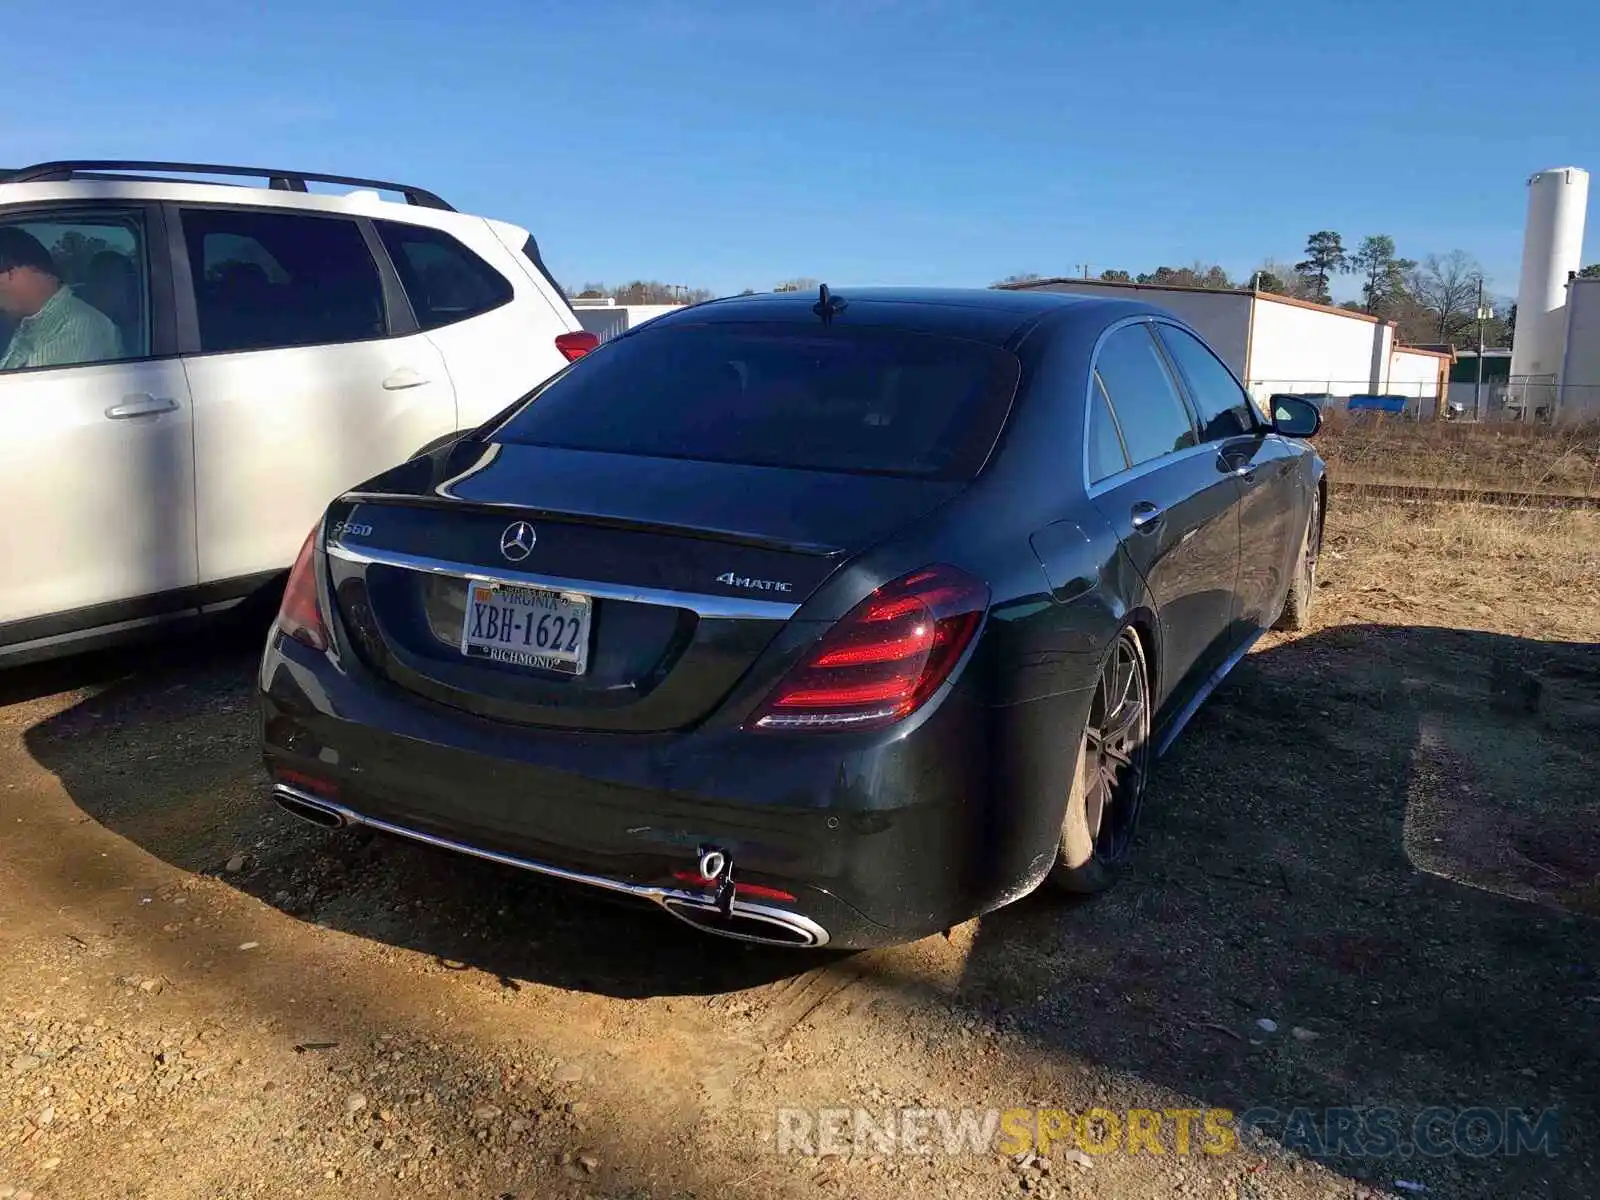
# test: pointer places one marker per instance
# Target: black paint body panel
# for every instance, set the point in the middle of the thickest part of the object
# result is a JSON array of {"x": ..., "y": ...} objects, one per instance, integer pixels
[{"x": 883, "y": 836}]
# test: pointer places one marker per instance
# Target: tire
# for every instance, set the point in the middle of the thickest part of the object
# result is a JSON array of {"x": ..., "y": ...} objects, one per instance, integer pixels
[
  {"x": 1108, "y": 780},
  {"x": 1296, "y": 613}
]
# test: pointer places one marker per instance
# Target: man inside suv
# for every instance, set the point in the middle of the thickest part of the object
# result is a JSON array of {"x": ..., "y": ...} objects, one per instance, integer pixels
[{"x": 53, "y": 326}]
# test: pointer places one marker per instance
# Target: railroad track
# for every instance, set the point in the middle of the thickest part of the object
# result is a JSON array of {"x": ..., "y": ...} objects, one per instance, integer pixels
[{"x": 1459, "y": 495}]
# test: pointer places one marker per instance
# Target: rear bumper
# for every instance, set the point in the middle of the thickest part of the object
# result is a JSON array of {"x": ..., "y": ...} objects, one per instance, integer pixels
[
  {"x": 878, "y": 837},
  {"x": 723, "y": 913}
]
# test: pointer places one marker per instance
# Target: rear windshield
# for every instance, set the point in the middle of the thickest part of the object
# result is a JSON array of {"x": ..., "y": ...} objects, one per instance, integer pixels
[{"x": 876, "y": 401}]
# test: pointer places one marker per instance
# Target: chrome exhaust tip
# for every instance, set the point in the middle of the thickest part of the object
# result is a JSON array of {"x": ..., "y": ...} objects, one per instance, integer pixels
[
  {"x": 308, "y": 808},
  {"x": 713, "y": 863},
  {"x": 749, "y": 923}
]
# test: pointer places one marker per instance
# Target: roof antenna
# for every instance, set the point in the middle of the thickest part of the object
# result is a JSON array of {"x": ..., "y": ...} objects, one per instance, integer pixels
[{"x": 827, "y": 305}]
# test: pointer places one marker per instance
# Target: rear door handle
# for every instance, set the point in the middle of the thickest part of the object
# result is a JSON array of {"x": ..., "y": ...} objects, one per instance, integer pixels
[
  {"x": 404, "y": 377},
  {"x": 141, "y": 404},
  {"x": 1146, "y": 515}
]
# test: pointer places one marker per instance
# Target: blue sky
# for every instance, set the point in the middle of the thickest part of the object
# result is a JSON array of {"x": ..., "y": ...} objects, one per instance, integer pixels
[{"x": 727, "y": 145}]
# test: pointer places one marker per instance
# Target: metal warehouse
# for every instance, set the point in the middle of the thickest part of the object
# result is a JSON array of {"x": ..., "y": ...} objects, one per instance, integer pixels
[
  {"x": 1279, "y": 344},
  {"x": 606, "y": 319},
  {"x": 1579, "y": 397}
]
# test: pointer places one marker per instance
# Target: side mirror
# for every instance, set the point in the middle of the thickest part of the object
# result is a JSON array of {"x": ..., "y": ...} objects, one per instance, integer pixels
[{"x": 1294, "y": 417}]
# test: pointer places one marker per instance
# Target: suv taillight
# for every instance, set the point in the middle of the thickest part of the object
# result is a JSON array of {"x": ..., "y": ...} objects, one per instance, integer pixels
[
  {"x": 575, "y": 345},
  {"x": 300, "y": 615},
  {"x": 884, "y": 658}
]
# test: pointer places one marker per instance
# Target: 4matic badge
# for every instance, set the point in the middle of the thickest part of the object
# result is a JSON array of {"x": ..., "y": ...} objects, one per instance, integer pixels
[{"x": 754, "y": 585}]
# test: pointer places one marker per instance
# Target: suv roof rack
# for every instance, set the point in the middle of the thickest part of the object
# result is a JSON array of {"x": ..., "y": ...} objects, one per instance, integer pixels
[{"x": 281, "y": 181}]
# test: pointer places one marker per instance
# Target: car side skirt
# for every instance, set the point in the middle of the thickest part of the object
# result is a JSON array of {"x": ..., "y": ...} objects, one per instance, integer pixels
[
  {"x": 1174, "y": 724},
  {"x": 54, "y": 634}
]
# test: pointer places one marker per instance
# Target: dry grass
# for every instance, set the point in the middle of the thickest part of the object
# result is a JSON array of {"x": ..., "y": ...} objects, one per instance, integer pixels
[
  {"x": 1370, "y": 448},
  {"x": 1530, "y": 572}
]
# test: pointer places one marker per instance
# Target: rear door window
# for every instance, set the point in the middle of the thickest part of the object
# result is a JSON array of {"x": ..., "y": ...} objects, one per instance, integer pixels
[
  {"x": 1150, "y": 411},
  {"x": 1106, "y": 455},
  {"x": 878, "y": 401},
  {"x": 266, "y": 280},
  {"x": 1224, "y": 406},
  {"x": 444, "y": 281}
]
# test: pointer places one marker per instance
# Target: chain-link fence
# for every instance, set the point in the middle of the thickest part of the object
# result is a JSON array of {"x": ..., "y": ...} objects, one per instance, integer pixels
[
  {"x": 1520, "y": 398},
  {"x": 1541, "y": 398},
  {"x": 1410, "y": 401}
]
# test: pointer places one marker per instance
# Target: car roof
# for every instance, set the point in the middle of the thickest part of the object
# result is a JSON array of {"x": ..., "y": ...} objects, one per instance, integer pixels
[
  {"x": 192, "y": 190},
  {"x": 980, "y": 314},
  {"x": 154, "y": 171},
  {"x": 356, "y": 202},
  {"x": 360, "y": 203}
]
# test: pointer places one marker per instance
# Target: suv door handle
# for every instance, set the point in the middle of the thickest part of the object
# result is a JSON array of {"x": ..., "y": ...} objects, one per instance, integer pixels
[
  {"x": 1146, "y": 515},
  {"x": 402, "y": 378},
  {"x": 141, "y": 404}
]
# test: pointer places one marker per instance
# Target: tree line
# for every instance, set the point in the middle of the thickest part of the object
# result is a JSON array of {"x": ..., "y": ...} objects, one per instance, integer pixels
[
  {"x": 653, "y": 291},
  {"x": 1433, "y": 300},
  {"x": 644, "y": 291}
]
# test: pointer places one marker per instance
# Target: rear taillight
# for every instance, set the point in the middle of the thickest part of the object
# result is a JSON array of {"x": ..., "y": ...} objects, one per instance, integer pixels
[
  {"x": 884, "y": 658},
  {"x": 574, "y": 346},
  {"x": 300, "y": 616}
]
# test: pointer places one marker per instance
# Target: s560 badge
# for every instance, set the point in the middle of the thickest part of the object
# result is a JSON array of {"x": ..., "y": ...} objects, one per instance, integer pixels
[{"x": 755, "y": 585}]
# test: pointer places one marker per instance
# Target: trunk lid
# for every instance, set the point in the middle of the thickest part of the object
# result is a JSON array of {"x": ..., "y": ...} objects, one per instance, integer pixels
[{"x": 683, "y": 572}]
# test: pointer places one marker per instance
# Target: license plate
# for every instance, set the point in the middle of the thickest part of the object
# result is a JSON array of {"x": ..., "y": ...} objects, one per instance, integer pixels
[{"x": 526, "y": 626}]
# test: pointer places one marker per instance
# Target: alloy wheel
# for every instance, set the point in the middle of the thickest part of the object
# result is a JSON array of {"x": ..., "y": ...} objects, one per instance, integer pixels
[
  {"x": 1116, "y": 750},
  {"x": 1313, "y": 539}
]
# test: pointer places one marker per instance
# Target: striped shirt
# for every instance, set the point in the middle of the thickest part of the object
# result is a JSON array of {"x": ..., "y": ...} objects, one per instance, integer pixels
[{"x": 65, "y": 331}]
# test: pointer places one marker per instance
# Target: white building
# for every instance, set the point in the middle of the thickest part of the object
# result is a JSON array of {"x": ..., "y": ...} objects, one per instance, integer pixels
[
  {"x": 1278, "y": 344},
  {"x": 606, "y": 319},
  {"x": 1579, "y": 398}
]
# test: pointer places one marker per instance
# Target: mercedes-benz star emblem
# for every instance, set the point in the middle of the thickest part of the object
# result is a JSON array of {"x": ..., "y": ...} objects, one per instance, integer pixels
[{"x": 517, "y": 542}]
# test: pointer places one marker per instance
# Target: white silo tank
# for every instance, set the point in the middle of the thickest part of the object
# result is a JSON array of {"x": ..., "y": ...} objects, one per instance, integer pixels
[{"x": 1552, "y": 248}]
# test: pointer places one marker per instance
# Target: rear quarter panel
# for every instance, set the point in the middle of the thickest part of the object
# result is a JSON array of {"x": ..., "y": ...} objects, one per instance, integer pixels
[{"x": 1060, "y": 590}]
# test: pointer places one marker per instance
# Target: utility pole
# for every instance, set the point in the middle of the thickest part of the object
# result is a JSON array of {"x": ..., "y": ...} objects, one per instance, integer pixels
[{"x": 1480, "y": 409}]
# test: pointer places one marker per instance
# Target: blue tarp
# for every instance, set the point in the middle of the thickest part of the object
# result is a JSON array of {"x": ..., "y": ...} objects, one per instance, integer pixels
[{"x": 1388, "y": 404}]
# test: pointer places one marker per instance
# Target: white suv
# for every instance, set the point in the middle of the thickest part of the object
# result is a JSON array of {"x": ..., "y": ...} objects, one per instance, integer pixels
[{"x": 190, "y": 371}]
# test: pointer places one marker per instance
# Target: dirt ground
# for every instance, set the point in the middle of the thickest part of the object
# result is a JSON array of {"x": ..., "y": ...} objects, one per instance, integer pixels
[{"x": 1380, "y": 837}]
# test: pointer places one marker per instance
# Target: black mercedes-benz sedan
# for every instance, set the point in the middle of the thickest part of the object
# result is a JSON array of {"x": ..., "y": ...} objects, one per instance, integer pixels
[{"x": 821, "y": 619}]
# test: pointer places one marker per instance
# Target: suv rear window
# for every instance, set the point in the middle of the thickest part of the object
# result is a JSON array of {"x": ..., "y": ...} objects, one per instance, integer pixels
[
  {"x": 444, "y": 281},
  {"x": 876, "y": 401}
]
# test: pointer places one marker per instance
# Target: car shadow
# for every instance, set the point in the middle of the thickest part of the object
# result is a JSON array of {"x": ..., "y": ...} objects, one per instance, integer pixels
[
  {"x": 160, "y": 743},
  {"x": 1379, "y": 840},
  {"x": 1367, "y": 879}
]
